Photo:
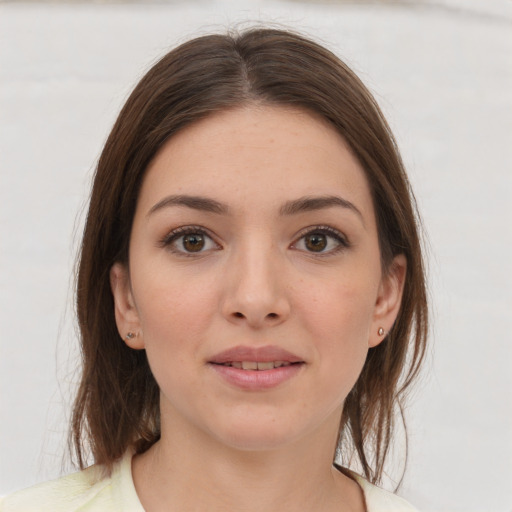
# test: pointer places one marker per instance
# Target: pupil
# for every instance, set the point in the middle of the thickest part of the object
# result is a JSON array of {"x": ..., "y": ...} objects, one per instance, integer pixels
[
  {"x": 316, "y": 242},
  {"x": 193, "y": 243}
]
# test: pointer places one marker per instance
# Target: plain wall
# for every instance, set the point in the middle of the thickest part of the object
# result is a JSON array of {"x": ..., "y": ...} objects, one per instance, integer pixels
[{"x": 442, "y": 72}]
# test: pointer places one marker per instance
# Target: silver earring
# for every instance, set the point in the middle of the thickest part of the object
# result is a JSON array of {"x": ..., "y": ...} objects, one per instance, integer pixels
[
  {"x": 381, "y": 331},
  {"x": 130, "y": 336}
]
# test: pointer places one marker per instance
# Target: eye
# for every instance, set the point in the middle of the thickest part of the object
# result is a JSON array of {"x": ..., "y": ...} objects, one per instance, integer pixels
[
  {"x": 189, "y": 240},
  {"x": 321, "y": 240}
]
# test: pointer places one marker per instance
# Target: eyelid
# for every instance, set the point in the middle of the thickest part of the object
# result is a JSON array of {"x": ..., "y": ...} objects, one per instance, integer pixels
[
  {"x": 175, "y": 234},
  {"x": 340, "y": 237}
]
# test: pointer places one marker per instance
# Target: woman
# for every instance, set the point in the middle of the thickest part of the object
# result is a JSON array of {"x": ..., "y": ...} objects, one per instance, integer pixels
[{"x": 250, "y": 295}]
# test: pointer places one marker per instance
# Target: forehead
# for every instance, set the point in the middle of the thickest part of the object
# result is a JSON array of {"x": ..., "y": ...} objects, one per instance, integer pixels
[{"x": 263, "y": 155}]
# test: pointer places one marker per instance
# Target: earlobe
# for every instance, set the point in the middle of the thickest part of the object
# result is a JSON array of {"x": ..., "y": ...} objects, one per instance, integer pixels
[
  {"x": 127, "y": 316},
  {"x": 389, "y": 300}
]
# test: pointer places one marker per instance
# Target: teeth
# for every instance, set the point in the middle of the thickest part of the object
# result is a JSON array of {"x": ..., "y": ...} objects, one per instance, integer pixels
[
  {"x": 257, "y": 365},
  {"x": 266, "y": 366}
]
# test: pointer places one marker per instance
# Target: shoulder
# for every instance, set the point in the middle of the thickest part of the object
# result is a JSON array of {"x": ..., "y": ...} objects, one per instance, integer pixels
[
  {"x": 66, "y": 493},
  {"x": 89, "y": 490},
  {"x": 379, "y": 500}
]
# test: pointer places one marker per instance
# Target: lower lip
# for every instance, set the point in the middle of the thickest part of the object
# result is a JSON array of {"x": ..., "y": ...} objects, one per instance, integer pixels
[{"x": 255, "y": 380}]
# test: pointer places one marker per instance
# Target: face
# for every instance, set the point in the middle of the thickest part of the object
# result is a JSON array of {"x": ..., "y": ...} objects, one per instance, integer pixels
[{"x": 254, "y": 281}]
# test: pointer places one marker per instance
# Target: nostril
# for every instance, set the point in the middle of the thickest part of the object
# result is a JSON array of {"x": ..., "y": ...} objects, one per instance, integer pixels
[
  {"x": 239, "y": 315},
  {"x": 272, "y": 315}
]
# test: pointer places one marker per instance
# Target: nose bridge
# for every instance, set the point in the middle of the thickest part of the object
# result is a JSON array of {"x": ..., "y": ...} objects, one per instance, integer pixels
[{"x": 256, "y": 293}]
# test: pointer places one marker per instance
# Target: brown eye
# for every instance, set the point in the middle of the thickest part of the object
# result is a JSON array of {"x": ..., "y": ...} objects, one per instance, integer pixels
[
  {"x": 189, "y": 241},
  {"x": 194, "y": 242},
  {"x": 316, "y": 242},
  {"x": 321, "y": 240}
]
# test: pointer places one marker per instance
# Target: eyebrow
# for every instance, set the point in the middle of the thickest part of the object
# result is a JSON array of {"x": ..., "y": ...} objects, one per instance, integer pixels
[
  {"x": 201, "y": 203},
  {"x": 312, "y": 203},
  {"x": 294, "y": 207}
]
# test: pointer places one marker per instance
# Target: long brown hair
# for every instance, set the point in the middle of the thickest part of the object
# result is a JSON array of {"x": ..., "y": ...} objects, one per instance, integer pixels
[{"x": 117, "y": 405}]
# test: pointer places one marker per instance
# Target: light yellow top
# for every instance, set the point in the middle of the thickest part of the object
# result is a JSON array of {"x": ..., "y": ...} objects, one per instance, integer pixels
[{"x": 91, "y": 491}]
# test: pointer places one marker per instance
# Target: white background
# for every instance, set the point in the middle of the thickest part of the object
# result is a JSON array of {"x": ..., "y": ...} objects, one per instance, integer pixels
[{"x": 442, "y": 72}]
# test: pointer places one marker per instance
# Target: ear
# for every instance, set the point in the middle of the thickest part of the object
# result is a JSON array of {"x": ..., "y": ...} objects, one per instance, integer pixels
[
  {"x": 388, "y": 300},
  {"x": 127, "y": 316}
]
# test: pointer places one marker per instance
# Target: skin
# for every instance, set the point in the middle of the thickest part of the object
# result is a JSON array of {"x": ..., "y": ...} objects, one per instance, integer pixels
[{"x": 256, "y": 281}]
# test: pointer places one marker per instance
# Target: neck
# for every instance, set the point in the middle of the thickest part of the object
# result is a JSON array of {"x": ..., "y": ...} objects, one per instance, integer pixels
[{"x": 188, "y": 470}]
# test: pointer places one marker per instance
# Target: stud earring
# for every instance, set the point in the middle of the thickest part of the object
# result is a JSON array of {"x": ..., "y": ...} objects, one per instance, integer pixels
[
  {"x": 130, "y": 336},
  {"x": 381, "y": 331}
]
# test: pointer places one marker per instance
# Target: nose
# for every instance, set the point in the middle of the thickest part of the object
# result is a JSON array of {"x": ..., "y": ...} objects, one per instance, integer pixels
[{"x": 255, "y": 291}]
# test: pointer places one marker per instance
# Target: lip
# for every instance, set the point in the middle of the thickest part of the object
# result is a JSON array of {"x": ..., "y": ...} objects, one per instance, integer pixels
[
  {"x": 256, "y": 380},
  {"x": 261, "y": 354}
]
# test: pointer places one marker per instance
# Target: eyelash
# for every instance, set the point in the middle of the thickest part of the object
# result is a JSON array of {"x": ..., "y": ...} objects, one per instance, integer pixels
[
  {"x": 328, "y": 231},
  {"x": 176, "y": 234}
]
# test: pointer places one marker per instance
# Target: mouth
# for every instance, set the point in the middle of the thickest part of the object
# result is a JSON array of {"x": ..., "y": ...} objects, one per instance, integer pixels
[
  {"x": 257, "y": 365},
  {"x": 256, "y": 368},
  {"x": 255, "y": 358}
]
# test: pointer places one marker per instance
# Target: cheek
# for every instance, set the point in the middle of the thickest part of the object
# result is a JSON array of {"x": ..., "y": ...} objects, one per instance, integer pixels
[
  {"x": 174, "y": 316},
  {"x": 339, "y": 317},
  {"x": 339, "y": 310},
  {"x": 173, "y": 309}
]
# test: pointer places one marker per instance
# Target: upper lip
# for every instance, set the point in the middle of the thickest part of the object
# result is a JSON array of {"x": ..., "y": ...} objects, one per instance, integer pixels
[{"x": 260, "y": 354}]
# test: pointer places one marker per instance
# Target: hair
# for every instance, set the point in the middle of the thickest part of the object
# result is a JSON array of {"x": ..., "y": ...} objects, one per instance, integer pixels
[{"x": 117, "y": 403}]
